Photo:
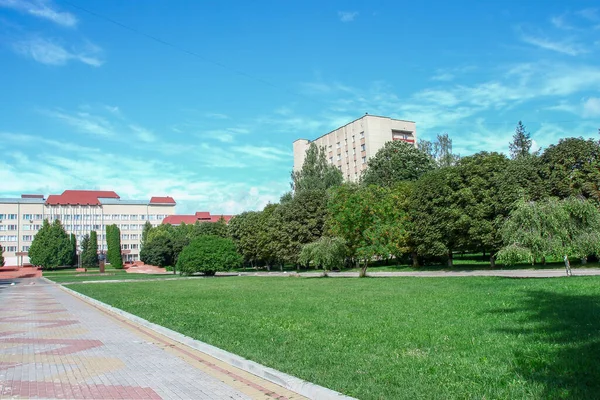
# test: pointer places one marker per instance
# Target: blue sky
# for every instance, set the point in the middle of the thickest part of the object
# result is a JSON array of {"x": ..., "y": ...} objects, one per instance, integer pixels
[{"x": 91, "y": 101}]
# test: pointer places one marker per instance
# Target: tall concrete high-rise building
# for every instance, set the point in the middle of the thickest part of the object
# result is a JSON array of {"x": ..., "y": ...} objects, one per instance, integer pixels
[{"x": 351, "y": 146}]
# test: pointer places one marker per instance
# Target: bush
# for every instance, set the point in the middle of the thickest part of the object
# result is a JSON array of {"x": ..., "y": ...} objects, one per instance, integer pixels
[{"x": 208, "y": 254}]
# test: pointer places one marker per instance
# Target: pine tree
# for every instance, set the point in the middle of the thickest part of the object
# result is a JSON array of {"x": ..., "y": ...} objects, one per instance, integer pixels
[
  {"x": 521, "y": 143},
  {"x": 113, "y": 242},
  {"x": 93, "y": 249},
  {"x": 1, "y": 256},
  {"x": 89, "y": 254}
]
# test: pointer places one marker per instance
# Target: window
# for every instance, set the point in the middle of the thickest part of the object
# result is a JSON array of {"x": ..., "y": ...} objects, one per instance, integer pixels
[
  {"x": 362, "y": 134},
  {"x": 363, "y": 147},
  {"x": 143, "y": 217},
  {"x": 338, "y": 145},
  {"x": 339, "y": 157},
  {"x": 2, "y": 216},
  {"x": 27, "y": 216},
  {"x": 3, "y": 227},
  {"x": 124, "y": 247},
  {"x": 11, "y": 238},
  {"x": 11, "y": 248},
  {"x": 76, "y": 227},
  {"x": 11, "y": 216},
  {"x": 87, "y": 217},
  {"x": 364, "y": 160},
  {"x": 151, "y": 217},
  {"x": 26, "y": 227},
  {"x": 353, "y": 150},
  {"x": 115, "y": 217},
  {"x": 38, "y": 217},
  {"x": 124, "y": 217},
  {"x": 346, "y": 153},
  {"x": 124, "y": 236},
  {"x": 25, "y": 248},
  {"x": 96, "y": 227},
  {"x": 36, "y": 227},
  {"x": 107, "y": 217},
  {"x": 134, "y": 246},
  {"x": 12, "y": 227},
  {"x": 27, "y": 238},
  {"x": 353, "y": 138},
  {"x": 134, "y": 236},
  {"x": 66, "y": 217},
  {"x": 77, "y": 217},
  {"x": 124, "y": 227},
  {"x": 346, "y": 142},
  {"x": 331, "y": 159},
  {"x": 133, "y": 217}
]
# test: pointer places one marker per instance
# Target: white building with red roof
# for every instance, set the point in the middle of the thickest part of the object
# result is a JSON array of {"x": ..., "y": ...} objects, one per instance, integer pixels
[
  {"x": 201, "y": 216},
  {"x": 80, "y": 212}
]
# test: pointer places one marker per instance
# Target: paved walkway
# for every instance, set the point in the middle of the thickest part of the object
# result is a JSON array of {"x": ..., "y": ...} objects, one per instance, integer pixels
[
  {"x": 507, "y": 273},
  {"x": 55, "y": 345}
]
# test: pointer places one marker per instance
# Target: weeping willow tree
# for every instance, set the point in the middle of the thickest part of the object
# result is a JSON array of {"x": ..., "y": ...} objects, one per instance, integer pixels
[{"x": 550, "y": 228}]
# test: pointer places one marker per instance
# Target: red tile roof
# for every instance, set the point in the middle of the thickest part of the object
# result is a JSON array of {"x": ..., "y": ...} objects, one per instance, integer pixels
[
  {"x": 80, "y": 197},
  {"x": 192, "y": 219},
  {"x": 162, "y": 200}
]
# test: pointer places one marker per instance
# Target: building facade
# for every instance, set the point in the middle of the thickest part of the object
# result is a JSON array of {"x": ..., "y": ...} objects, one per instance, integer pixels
[
  {"x": 351, "y": 146},
  {"x": 80, "y": 212},
  {"x": 201, "y": 216}
]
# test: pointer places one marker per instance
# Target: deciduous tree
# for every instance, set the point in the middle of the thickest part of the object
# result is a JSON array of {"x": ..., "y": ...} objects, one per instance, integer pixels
[
  {"x": 208, "y": 254},
  {"x": 316, "y": 172},
  {"x": 395, "y": 162}
]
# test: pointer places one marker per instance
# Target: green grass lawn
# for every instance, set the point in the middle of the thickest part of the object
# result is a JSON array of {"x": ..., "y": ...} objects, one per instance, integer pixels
[
  {"x": 393, "y": 338},
  {"x": 110, "y": 274}
]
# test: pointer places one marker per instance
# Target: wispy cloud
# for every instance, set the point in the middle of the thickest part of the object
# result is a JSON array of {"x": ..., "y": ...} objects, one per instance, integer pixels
[
  {"x": 565, "y": 46},
  {"x": 143, "y": 134},
  {"x": 215, "y": 115},
  {"x": 265, "y": 152},
  {"x": 44, "y": 9},
  {"x": 560, "y": 22},
  {"x": 49, "y": 52},
  {"x": 591, "y": 107},
  {"x": 84, "y": 122},
  {"x": 347, "y": 16},
  {"x": 591, "y": 14}
]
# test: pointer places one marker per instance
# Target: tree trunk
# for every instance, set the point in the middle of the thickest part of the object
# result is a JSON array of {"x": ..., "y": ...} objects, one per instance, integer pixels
[
  {"x": 415, "y": 259},
  {"x": 543, "y": 260},
  {"x": 483, "y": 254},
  {"x": 363, "y": 270},
  {"x": 492, "y": 260},
  {"x": 583, "y": 260},
  {"x": 450, "y": 260}
]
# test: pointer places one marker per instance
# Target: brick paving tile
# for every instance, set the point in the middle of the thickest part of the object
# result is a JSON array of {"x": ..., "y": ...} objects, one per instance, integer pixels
[{"x": 55, "y": 345}]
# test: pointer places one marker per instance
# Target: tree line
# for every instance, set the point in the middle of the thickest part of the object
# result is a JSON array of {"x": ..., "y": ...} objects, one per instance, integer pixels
[{"x": 425, "y": 204}]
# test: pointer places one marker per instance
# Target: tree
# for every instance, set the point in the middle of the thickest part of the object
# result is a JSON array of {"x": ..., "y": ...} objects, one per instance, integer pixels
[
  {"x": 484, "y": 210},
  {"x": 145, "y": 231},
  {"x": 372, "y": 220},
  {"x": 1, "y": 256},
  {"x": 439, "y": 218},
  {"x": 327, "y": 252},
  {"x": 396, "y": 161},
  {"x": 158, "y": 251},
  {"x": 316, "y": 172},
  {"x": 51, "y": 246},
  {"x": 113, "y": 242},
  {"x": 521, "y": 143},
  {"x": 89, "y": 254},
  {"x": 442, "y": 151},
  {"x": 73, "y": 241},
  {"x": 244, "y": 230},
  {"x": 209, "y": 254},
  {"x": 218, "y": 228},
  {"x": 551, "y": 228},
  {"x": 296, "y": 223},
  {"x": 572, "y": 168}
]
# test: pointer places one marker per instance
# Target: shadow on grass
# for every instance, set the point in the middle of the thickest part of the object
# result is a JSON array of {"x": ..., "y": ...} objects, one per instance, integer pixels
[{"x": 561, "y": 347}]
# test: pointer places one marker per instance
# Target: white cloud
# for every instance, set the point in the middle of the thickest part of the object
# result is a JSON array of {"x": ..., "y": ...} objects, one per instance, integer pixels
[
  {"x": 143, "y": 134},
  {"x": 591, "y": 107},
  {"x": 347, "y": 16},
  {"x": 266, "y": 152},
  {"x": 214, "y": 115},
  {"x": 85, "y": 123},
  {"x": 443, "y": 77},
  {"x": 42, "y": 9},
  {"x": 48, "y": 52},
  {"x": 565, "y": 46}
]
